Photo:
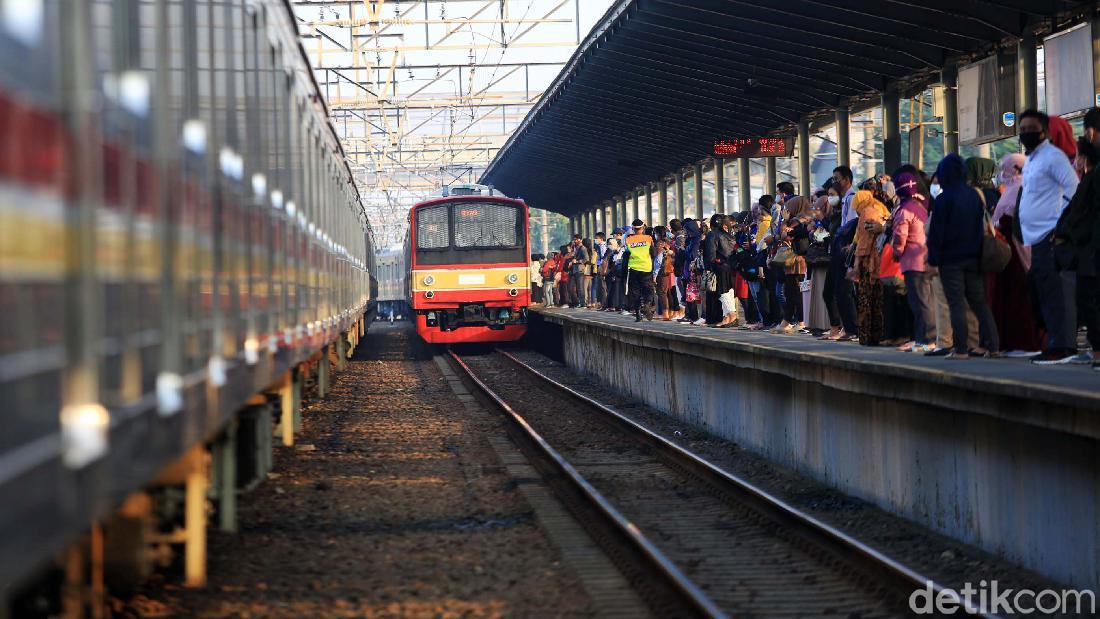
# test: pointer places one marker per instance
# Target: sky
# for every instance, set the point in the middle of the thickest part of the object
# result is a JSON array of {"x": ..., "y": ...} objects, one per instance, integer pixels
[{"x": 425, "y": 93}]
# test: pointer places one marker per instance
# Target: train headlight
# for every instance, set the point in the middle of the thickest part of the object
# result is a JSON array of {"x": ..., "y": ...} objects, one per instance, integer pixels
[
  {"x": 429, "y": 295},
  {"x": 429, "y": 280},
  {"x": 513, "y": 292},
  {"x": 513, "y": 278}
]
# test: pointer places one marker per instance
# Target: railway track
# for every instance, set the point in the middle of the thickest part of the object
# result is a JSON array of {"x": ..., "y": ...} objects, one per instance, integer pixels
[{"x": 693, "y": 538}]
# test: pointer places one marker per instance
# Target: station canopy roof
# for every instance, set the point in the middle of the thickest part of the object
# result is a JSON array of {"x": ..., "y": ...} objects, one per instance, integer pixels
[{"x": 656, "y": 82}]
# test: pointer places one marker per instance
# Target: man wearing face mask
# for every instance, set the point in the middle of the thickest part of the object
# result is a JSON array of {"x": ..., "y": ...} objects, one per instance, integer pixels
[
  {"x": 842, "y": 180},
  {"x": 1048, "y": 184},
  {"x": 1077, "y": 240}
]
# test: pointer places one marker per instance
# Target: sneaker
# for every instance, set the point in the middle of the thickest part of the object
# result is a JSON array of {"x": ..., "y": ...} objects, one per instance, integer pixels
[
  {"x": 1084, "y": 358},
  {"x": 921, "y": 349},
  {"x": 938, "y": 352},
  {"x": 1055, "y": 357},
  {"x": 626, "y": 313},
  {"x": 957, "y": 356},
  {"x": 701, "y": 322},
  {"x": 1021, "y": 354}
]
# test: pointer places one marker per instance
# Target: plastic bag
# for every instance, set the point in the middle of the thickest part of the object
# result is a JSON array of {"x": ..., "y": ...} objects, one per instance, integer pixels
[{"x": 729, "y": 302}]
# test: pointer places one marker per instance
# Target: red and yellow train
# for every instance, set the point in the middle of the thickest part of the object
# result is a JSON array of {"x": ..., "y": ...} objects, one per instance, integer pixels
[{"x": 467, "y": 257}]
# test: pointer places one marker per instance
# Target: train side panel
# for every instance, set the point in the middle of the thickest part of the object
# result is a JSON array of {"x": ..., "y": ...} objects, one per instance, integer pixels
[{"x": 178, "y": 228}]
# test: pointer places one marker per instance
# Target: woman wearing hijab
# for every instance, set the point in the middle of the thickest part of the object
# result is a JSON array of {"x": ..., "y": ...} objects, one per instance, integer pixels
[
  {"x": 1009, "y": 293},
  {"x": 819, "y": 319},
  {"x": 979, "y": 175},
  {"x": 613, "y": 276},
  {"x": 909, "y": 244},
  {"x": 955, "y": 247},
  {"x": 872, "y": 219},
  {"x": 797, "y": 207},
  {"x": 1061, "y": 135},
  {"x": 691, "y": 274}
]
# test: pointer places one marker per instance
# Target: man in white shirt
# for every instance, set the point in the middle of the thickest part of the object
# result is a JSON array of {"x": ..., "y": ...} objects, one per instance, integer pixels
[
  {"x": 1049, "y": 182},
  {"x": 842, "y": 180}
]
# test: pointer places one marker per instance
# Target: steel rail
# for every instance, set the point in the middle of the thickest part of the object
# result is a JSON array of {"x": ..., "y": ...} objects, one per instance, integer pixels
[
  {"x": 849, "y": 550},
  {"x": 688, "y": 593}
]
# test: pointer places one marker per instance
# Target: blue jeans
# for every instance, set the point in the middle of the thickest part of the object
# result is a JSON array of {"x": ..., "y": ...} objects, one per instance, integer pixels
[{"x": 754, "y": 291}]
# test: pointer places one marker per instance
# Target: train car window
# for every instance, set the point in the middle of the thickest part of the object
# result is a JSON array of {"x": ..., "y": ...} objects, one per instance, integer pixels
[
  {"x": 485, "y": 224},
  {"x": 433, "y": 228}
]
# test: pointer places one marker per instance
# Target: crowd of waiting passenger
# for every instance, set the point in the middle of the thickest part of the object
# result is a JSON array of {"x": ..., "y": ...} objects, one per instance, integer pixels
[{"x": 978, "y": 259}]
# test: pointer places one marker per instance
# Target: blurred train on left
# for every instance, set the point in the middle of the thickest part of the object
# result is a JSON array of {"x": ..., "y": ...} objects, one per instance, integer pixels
[{"x": 179, "y": 236}]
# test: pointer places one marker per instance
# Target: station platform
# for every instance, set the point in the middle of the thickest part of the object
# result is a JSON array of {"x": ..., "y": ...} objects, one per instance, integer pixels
[{"x": 997, "y": 453}]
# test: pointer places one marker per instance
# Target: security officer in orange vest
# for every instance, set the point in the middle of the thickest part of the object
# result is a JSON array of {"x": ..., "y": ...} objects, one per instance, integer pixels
[{"x": 641, "y": 288}]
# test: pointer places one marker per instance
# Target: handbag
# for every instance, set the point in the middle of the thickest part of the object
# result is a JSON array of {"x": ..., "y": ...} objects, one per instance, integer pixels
[
  {"x": 889, "y": 270},
  {"x": 817, "y": 256},
  {"x": 691, "y": 292},
  {"x": 785, "y": 257},
  {"x": 710, "y": 281},
  {"x": 804, "y": 285},
  {"x": 995, "y": 249}
]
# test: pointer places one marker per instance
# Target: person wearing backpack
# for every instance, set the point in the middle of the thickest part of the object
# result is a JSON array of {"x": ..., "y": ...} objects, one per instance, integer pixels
[{"x": 549, "y": 270}]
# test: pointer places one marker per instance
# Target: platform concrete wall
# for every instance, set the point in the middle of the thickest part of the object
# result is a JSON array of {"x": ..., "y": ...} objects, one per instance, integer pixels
[{"x": 1021, "y": 491}]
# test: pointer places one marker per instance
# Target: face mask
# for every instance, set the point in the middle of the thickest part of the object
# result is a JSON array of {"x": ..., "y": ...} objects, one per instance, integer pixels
[
  {"x": 834, "y": 200},
  {"x": 935, "y": 190},
  {"x": 1031, "y": 139}
]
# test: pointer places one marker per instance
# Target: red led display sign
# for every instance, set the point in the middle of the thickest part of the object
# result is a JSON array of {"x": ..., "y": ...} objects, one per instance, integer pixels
[{"x": 754, "y": 147}]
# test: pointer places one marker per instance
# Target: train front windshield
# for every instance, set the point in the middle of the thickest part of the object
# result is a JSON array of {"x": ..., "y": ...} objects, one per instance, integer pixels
[{"x": 470, "y": 232}]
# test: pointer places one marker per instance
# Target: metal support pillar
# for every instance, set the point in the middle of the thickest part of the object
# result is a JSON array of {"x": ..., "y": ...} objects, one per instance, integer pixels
[
  {"x": 698, "y": 190},
  {"x": 288, "y": 400},
  {"x": 950, "y": 78},
  {"x": 680, "y": 195},
  {"x": 662, "y": 200},
  {"x": 225, "y": 454},
  {"x": 1095, "y": 25},
  {"x": 769, "y": 175},
  {"x": 843, "y": 138},
  {"x": 1027, "y": 77},
  {"x": 624, "y": 216},
  {"x": 324, "y": 371},
  {"x": 744, "y": 188},
  {"x": 97, "y": 589},
  {"x": 891, "y": 130},
  {"x": 719, "y": 185},
  {"x": 648, "y": 189},
  {"x": 804, "y": 159},
  {"x": 194, "y": 553},
  {"x": 342, "y": 354},
  {"x": 634, "y": 205}
]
